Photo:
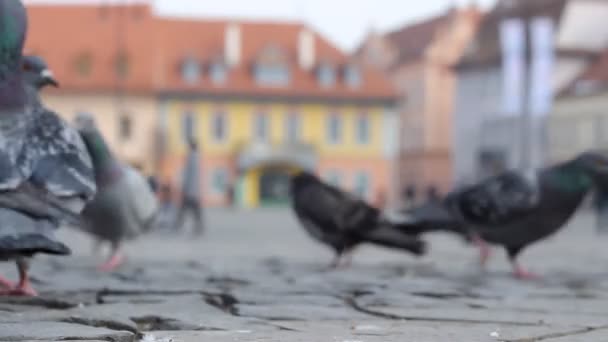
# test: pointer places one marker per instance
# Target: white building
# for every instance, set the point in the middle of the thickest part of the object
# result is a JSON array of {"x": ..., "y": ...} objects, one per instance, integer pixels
[{"x": 484, "y": 137}]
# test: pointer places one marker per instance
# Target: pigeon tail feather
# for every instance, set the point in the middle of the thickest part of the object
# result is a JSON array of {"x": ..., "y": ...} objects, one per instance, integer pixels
[
  {"x": 29, "y": 244},
  {"x": 387, "y": 235}
]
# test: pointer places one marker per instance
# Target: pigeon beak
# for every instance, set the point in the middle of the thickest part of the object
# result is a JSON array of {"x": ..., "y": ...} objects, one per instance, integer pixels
[{"x": 48, "y": 77}]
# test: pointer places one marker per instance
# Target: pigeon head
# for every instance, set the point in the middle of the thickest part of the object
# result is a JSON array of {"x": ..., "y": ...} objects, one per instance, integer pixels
[
  {"x": 13, "y": 27},
  {"x": 594, "y": 162},
  {"x": 302, "y": 180},
  {"x": 37, "y": 73}
]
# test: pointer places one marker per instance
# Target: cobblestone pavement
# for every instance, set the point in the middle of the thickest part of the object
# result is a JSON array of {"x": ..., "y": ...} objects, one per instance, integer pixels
[{"x": 255, "y": 276}]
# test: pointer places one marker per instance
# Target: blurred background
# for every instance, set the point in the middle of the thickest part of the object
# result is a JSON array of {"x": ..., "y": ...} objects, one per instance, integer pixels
[{"x": 392, "y": 100}]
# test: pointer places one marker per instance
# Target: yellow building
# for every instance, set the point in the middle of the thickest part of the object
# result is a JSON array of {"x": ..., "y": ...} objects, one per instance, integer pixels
[
  {"x": 273, "y": 97},
  {"x": 262, "y": 99}
]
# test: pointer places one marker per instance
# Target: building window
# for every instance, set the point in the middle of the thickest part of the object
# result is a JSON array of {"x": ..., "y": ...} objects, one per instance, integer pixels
[
  {"x": 334, "y": 128},
  {"x": 188, "y": 126},
  {"x": 191, "y": 70},
  {"x": 362, "y": 184},
  {"x": 362, "y": 129},
  {"x": 83, "y": 64},
  {"x": 272, "y": 75},
  {"x": 352, "y": 76},
  {"x": 292, "y": 127},
  {"x": 218, "y": 72},
  {"x": 219, "y": 180},
  {"x": 125, "y": 127},
  {"x": 326, "y": 75},
  {"x": 218, "y": 126},
  {"x": 122, "y": 65},
  {"x": 333, "y": 177},
  {"x": 260, "y": 126}
]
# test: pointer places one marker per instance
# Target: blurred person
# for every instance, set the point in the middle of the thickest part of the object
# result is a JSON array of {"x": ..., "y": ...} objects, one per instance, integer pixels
[
  {"x": 432, "y": 194},
  {"x": 153, "y": 182},
  {"x": 409, "y": 195},
  {"x": 191, "y": 191},
  {"x": 231, "y": 193},
  {"x": 167, "y": 207}
]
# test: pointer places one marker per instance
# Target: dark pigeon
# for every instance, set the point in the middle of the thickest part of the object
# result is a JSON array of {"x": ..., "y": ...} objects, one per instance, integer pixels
[
  {"x": 46, "y": 174},
  {"x": 343, "y": 221},
  {"x": 513, "y": 210},
  {"x": 125, "y": 205}
]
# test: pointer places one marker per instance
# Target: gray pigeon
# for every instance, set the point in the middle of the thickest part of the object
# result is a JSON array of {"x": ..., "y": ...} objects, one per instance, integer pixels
[
  {"x": 37, "y": 73},
  {"x": 124, "y": 205},
  {"x": 46, "y": 174},
  {"x": 511, "y": 211}
]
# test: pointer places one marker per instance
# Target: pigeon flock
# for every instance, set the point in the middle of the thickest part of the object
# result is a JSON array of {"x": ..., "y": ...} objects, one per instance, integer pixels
[{"x": 53, "y": 173}]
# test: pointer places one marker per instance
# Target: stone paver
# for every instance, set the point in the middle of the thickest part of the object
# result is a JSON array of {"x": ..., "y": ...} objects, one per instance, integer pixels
[{"x": 255, "y": 276}]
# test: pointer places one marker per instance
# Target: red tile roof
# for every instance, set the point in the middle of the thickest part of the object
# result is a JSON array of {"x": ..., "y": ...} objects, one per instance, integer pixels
[
  {"x": 412, "y": 41},
  {"x": 156, "y": 47}
]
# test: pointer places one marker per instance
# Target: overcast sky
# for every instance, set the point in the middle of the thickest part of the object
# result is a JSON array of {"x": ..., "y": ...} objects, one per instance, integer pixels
[{"x": 343, "y": 21}]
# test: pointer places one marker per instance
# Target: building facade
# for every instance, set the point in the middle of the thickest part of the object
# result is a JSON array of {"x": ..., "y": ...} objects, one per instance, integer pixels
[
  {"x": 486, "y": 138},
  {"x": 579, "y": 121},
  {"x": 274, "y": 97},
  {"x": 419, "y": 59},
  {"x": 261, "y": 98},
  {"x": 101, "y": 72}
]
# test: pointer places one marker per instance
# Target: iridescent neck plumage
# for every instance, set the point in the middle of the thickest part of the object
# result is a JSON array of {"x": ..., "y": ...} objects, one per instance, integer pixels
[{"x": 12, "y": 90}]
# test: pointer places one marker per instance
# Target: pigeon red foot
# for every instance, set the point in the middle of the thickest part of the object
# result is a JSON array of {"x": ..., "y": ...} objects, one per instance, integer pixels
[
  {"x": 115, "y": 261},
  {"x": 522, "y": 274},
  {"x": 5, "y": 283},
  {"x": 485, "y": 252},
  {"x": 24, "y": 288}
]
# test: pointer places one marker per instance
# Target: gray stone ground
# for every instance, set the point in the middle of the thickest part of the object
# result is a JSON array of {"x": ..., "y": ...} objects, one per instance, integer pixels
[{"x": 255, "y": 276}]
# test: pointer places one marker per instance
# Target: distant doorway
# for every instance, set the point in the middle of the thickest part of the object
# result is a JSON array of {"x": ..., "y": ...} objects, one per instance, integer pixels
[{"x": 274, "y": 186}]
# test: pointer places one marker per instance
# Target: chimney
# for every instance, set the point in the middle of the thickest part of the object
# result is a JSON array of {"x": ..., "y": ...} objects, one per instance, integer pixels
[
  {"x": 232, "y": 44},
  {"x": 306, "y": 49}
]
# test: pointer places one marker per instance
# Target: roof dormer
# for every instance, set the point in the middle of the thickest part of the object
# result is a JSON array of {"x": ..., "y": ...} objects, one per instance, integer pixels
[
  {"x": 352, "y": 75},
  {"x": 326, "y": 74},
  {"x": 271, "y": 67},
  {"x": 190, "y": 70}
]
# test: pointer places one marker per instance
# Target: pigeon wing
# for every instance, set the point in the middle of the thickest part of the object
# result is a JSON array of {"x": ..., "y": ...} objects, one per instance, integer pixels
[
  {"x": 58, "y": 158},
  {"x": 497, "y": 201}
]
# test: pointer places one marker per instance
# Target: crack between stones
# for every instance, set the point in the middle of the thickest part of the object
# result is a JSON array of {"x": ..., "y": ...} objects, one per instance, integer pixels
[
  {"x": 352, "y": 303},
  {"x": 100, "y": 323},
  {"x": 223, "y": 301},
  {"x": 551, "y": 336}
]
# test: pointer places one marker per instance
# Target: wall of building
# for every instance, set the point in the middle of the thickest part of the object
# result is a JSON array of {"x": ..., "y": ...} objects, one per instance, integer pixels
[
  {"x": 478, "y": 96},
  {"x": 347, "y": 158},
  {"x": 138, "y": 147},
  {"x": 577, "y": 124}
]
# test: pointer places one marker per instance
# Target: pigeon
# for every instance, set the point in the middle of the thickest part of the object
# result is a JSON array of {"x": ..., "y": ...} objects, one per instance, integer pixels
[
  {"x": 36, "y": 72},
  {"x": 124, "y": 206},
  {"x": 46, "y": 173},
  {"x": 511, "y": 210},
  {"x": 342, "y": 221}
]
